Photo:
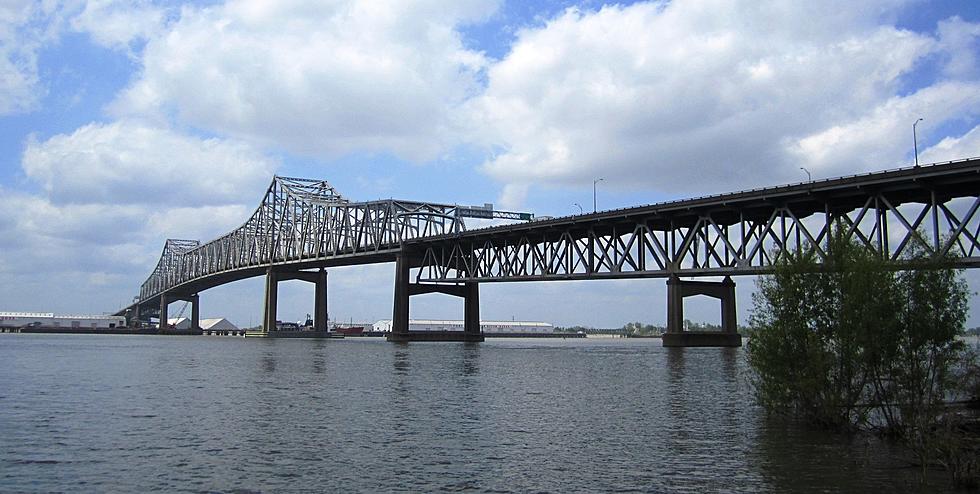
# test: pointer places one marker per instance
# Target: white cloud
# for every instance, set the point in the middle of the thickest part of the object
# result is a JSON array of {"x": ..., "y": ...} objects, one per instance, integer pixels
[
  {"x": 952, "y": 148},
  {"x": 513, "y": 196},
  {"x": 27, "y": 26},
  {"x": 695, "y": 97},
  {"x": 203, "y": 223},
  {"x": 129, "y": 162},
  {"x": 19, "y": 42},
  {"x": 41, "y": 237},
  {"x": 119, "y": 23},
  {"x": 883, "y": 137},
  {"x": 18, "y": 82},
  {"x": 111, "y": 194},
  {"x": 47, "y": 240},
  {"x": 317, "y": 79},
  {"x": 960, "y": 42}
]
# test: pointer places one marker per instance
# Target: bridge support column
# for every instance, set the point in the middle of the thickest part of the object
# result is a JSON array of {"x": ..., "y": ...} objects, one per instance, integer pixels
[
  {"x": 164, "y": 304},
  {"x": 272, "y": 279},
  {"x": 195, "y": 312},
  {"x": 168, "y": 298},
  {"x": 271, "y": 306},
  {"x": 471, "y": 310},
  {"x": 724, "y": 291},
  {"x": 320, "y": 304},
  {"x": 399, "y": 315},
  {"x": 404, "y": 289}
]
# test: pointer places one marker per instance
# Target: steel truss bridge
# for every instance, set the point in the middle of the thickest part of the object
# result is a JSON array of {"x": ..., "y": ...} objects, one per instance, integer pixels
[{"x": 303, "y": 224}]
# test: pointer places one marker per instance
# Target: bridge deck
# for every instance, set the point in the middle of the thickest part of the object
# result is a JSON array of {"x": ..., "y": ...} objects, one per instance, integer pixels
[
  {"x": 740, "y": 233},
  {"x": 913, "y": 184}
]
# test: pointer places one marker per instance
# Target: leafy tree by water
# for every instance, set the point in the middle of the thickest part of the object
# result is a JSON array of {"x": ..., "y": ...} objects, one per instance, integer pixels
[
  {"x": 640, "y": 329},
  {"x": 858, "y": 341},
  {"x": 912, "y": 386},
  {"x": 811, "y": 323}
]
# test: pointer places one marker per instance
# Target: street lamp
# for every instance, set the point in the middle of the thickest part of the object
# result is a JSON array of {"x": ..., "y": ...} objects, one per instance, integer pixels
[
  {"x": 580, "y": 210},
  {"x": 915, "y": 141},
  {"x": 808, "y": 177},
  {"x": 593, "y": 193}
]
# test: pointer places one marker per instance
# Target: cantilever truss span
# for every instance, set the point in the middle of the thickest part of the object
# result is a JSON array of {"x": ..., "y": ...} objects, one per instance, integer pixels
[
  {"x": 300, "y": 220},
  {"x": 935, "y": 207}
]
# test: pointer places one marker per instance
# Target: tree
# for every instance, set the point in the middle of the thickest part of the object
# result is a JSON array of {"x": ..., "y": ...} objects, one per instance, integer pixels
[
  {"x": 858, "y": 340},
  {"x": 809, "y": 322},
  {"x": 913, "y": 384}
]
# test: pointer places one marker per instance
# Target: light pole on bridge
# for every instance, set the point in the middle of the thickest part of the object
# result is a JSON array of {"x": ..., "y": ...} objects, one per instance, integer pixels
[
  {"x": 594, "y": 209},
  {"x": 580, "y": 210},
  {"x": 915, "y": 142}
]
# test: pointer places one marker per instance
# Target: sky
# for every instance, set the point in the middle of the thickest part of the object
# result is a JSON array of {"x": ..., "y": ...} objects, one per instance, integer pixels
[{"x": 124, "y": 123}]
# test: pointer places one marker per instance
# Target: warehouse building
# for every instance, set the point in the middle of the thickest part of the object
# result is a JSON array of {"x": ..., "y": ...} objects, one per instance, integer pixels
[
  {"x": 215, "y": 324},
  {"x": 218, "y": 324},
  {"x": 523, "y": 327},
  {"x": 180, "y": 323},
  {"x": 50, "y": 320}
]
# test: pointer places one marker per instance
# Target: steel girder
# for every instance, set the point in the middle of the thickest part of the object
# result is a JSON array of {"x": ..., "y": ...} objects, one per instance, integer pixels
[
  {"x": 300, "y": 220},
  {"x": 934, "y": 206}
]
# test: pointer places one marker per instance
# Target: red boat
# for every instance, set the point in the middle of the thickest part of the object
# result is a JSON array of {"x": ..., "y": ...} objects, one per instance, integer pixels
[{"x": 349, "y": 330}]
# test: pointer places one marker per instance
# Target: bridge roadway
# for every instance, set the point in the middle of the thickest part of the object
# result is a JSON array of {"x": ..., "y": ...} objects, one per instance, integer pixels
[{"x": 741, "y": 233}]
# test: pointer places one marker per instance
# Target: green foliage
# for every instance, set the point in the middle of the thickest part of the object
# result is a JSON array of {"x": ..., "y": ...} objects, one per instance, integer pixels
[
  {"x": 858, "y": 341},
  {"x": 923, "y": 349},
  {"x": 811, "y": 323},
  {"x": 640, "y": 329}
]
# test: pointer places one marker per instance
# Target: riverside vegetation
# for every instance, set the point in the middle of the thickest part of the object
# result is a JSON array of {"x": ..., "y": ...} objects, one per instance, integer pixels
[{"x": 861, "y": 343}]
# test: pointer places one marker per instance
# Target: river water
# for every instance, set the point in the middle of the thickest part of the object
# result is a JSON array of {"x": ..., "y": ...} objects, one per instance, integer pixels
[{"x": 204, "y": 414}]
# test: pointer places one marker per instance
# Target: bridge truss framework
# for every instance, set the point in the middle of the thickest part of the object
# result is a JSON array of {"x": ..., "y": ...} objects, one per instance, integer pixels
[
  {"x": 735, "y": 234},
  {"x": 304, "y": 224}
]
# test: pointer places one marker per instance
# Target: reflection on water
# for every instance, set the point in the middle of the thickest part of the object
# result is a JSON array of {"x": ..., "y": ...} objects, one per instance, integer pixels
[
  {"x": 318, "y": 361},
  {"x": 217, "y": 414},
  {"x": 470, "y": 363},
  {"x": 833, "y": 456},
  {"x": 401, "y": 362},
  {"x": 269, "y": 363},
  {"x": 728, "y": 360}
]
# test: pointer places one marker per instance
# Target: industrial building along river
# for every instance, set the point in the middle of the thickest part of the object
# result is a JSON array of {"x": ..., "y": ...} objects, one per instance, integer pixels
[
  {"x": 49, "y": 322},
  {"x": 488, "y": 327},
  {"x": 17, "y": 320}
]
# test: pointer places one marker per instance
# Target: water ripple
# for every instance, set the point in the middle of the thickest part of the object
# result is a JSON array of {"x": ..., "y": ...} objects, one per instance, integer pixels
[{"x": 177, "y": 414}]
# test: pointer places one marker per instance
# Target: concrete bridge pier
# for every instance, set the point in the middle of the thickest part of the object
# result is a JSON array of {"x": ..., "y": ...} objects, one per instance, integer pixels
[
  {"x": 271, "y": 305},
  {"x": 675, "y": 336},
  {"x": 195, "y": 312},
  {"x": 140, "y": 315},
  {"x": 194, "y": 299},
  {"x": 404, "y": 289},
  {"x": 272, "y": 279},
  {"x": 133, "y": 316}
]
